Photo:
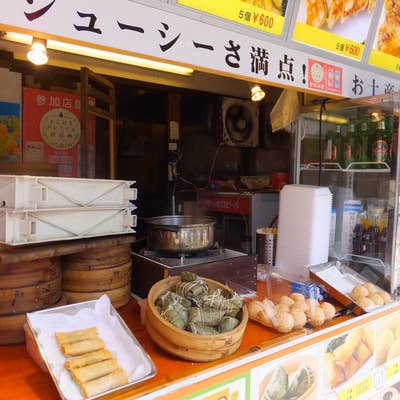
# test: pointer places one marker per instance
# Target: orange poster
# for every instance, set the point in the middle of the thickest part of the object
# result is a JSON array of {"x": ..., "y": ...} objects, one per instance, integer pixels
[{"x": 52, "y": 131}]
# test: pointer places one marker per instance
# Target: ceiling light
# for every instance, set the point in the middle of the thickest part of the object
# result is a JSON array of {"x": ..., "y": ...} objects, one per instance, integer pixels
[
  {"x": 257, "y": 93},
  {"x": 37, "y": 54},
  {"x": 103, "y": 54}
]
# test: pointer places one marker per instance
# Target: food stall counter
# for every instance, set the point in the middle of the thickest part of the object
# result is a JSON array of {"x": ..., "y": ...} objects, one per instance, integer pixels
[{"x": 261, "y": 347}]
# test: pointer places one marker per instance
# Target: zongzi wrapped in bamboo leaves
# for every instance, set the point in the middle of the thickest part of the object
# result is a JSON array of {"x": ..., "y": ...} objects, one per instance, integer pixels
[
  {"x": 205, "y": 317},
  {"x": 199, "y": 329},
  {"x": 189, "y": 276},
  {"x": 228, "y": 323},
  {"x": 300, "y": 381},
  {"x": 173, "y": 317},
  {"x": 192, "y": 289},
  {"x": 277, "y": 386},
  {"x": 231, "y": 306},
  {"x": 171, "y": 297}
]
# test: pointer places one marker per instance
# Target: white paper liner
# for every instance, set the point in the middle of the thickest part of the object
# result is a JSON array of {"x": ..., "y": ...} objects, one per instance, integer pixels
[{"x": 129, "y": 355}]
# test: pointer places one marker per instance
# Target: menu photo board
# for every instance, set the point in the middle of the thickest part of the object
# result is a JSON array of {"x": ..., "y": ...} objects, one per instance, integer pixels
[
  {"x": 385, "y": 52},
  {"x": 264, "y": 15},
  {"x": 338, "y": 26}
]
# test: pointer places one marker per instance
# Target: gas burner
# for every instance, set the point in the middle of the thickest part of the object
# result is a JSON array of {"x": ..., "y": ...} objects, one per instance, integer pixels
[{"x": 183, "y": 254}]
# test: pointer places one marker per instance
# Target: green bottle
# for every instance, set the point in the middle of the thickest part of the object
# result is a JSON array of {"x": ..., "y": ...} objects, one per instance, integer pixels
[
  {"x": 380, "y": 147},
  {"x": 349, "y": 144},
  {"x": 362, "y": 140},
  {"x": 333, "y": 145}
]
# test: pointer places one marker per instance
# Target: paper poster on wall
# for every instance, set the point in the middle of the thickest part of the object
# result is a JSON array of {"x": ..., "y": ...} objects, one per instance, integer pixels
[
  {"x": 52, "y": 132},
  {"x": 265, "y": 15},
  {"x": 10, "y": 132},
  {"x": 385, "y": 51},
  {"x": 340, "y": 27}
]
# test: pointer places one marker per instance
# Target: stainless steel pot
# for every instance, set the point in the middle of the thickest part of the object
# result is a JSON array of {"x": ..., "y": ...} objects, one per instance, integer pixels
[{"x": 180, "y": 233}]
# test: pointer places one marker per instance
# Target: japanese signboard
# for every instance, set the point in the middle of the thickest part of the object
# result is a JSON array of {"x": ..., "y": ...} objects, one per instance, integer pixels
[
  {"x": 385, "y": 51},
  {"x": 265, "y": 15},
  {"x": 51, "y": 130},
  {"x": 139, "y": 29},
  {"x": 338, "y": 27}
]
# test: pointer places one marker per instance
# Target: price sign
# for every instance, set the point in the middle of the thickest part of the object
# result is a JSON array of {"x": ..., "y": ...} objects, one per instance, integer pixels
[
  {"x": 267, "y": 19},
  {"x": 393, "y": 369},
  {"x": 358, "y": 389},
  {"x": 326, "y": 26}
]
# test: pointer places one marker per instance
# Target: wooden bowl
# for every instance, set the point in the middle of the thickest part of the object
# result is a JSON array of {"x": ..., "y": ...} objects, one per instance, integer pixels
[{"x": 184, "y": 344}]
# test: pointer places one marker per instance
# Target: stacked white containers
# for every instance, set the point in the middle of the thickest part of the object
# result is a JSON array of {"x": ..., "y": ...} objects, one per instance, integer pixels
[
  {"x": 303, "y": 229},
  {"x": 36, "y": 209}
]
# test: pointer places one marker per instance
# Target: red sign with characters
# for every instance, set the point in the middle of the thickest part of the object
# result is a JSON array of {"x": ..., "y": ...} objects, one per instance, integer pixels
[
  {"x": 226, "y": 204},
  {"x": 325, "y": 77},
  {"x": 52, "y": 130}
]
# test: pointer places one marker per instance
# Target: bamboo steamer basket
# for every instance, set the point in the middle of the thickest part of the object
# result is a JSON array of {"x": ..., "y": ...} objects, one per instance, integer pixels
[
  {"x": 12, "y": 326},
  {"x": 28, "y": 298},
  {"x": 184, "y": 344},
  {"x": 97, "y": 279},
  {"x": 23, "y": 267},
  {"x": 24, "y": 276},
  {"x": 119, "y": 297},
  {"x": 98, "y": 258}
]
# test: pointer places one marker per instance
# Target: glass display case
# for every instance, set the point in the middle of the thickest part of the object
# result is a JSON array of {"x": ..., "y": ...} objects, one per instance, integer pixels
[{"x": 351, "y": 147}]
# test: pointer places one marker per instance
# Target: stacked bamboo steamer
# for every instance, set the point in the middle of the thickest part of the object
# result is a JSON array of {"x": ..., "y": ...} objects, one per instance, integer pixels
[
  {"x": 24, "y": 287},
  {"x": 89, "y": 274}
]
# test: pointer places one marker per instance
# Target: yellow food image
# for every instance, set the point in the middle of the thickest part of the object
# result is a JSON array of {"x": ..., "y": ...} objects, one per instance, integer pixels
[
  {"x": 388, "y": 340},
  {"x": 389, "y": 31},
  {"x": 290, "y": 312},
  {"x": 332, "y": 12},
  {"x": 268, "y": 5},
  {"x": 346, "y": 354}
]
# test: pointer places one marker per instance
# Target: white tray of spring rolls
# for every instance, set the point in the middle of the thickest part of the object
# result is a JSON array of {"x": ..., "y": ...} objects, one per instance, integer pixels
[{"x": 88, "y": 349}]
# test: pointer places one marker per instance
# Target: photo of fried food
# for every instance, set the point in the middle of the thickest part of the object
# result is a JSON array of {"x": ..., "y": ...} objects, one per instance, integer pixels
[
  {"x": 329, "y": 13},
  {"x": 275, "y": 6},
  {"x": 389, "y": 31}
]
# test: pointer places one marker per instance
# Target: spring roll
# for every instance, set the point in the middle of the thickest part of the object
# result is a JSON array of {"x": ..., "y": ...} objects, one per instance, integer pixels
[
  {"x": 76, "y": 336},
  {"x": 87, "y": 359},
  {"x": 82, "y": 347},
  {"x": 116, "y": 378},
  {"x": 93, "y": 371}
]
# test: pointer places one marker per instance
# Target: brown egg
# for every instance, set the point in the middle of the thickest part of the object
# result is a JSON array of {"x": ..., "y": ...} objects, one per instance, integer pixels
[
  {"x": 283, "y": 322},
  {"x": 385, "y": 296},
  {"x": 329, "y": 310},
  {"x": 299, "y": 318},
  {"x": 365, "y": 302},
  {"x": 300, "y": 304},
  {"x": 254, "y": 307},
  {"x": 297, "y": 296},
  {"x": 286, "y": 300},
  {"x": 281, "y": 308},
  {"x": 370, "y": 287},
  {"x": 317, "y": 318},
  {"x": 359, "y": 291},
  {"x": 376, "y": 299}
]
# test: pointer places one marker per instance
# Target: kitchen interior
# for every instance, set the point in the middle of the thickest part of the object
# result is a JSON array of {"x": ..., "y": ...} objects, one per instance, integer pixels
[{"x": 173, "y": 141}]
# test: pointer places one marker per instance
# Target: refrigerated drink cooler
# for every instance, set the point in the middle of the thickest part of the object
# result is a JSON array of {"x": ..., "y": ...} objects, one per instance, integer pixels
[{"x": 351, "y": 147}]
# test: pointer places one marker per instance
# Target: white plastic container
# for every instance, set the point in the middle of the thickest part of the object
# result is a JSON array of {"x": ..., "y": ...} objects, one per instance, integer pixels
[
  {"x": 43, "y": 192},
  {"x": 19, "y": 227},
  {"x": 303, "y": 230}
]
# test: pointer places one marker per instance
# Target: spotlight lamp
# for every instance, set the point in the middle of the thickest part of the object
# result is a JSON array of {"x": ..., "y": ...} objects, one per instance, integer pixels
[
  {"x": 37, "y": 54},
  {"x": 257, "y": 93}
]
